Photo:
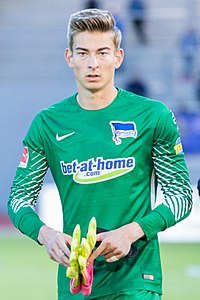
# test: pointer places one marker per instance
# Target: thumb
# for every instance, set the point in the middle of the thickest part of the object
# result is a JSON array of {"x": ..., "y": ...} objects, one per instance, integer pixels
[{"x": 98, "y": 251}]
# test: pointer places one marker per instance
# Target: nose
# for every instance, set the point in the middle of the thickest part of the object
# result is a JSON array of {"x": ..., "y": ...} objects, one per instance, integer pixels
[{"x": 93, "y": 62}]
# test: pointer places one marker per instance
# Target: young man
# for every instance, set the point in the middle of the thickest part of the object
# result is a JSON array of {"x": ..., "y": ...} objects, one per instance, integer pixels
[{"x": 106, "y": 148}]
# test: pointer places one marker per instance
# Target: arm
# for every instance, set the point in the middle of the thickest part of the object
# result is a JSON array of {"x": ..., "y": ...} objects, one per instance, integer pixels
[
  {"x": 24, "y": 192},
  {"x": 28, "y": 182},
  {"x": 26, "y": 186},
  {"x": 172, "y": 175}
]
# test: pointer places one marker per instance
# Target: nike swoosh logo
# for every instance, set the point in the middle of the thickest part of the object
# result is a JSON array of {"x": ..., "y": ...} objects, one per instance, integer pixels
[{"x": 60, "y": 138}]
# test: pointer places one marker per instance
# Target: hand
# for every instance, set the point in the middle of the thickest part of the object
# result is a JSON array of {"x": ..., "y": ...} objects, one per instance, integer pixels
[
  {"x": 56, "y": 244},
  {"x": 117, "y": 242}
]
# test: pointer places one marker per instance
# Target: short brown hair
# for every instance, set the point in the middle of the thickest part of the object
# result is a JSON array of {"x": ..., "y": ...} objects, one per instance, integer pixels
[{"x": 93, "y": 20}]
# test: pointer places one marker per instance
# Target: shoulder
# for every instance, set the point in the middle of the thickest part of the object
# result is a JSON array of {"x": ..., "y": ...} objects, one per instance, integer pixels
[
  {"x": 143, "y": 102},
  {"x": 50, "y": 114},
  {"x": 64, "y": 105},
  {"x": 56, "y": 110}
]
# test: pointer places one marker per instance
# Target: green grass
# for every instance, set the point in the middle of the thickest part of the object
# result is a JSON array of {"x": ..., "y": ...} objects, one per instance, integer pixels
[
  {"x": 28, "y": 273},
  {"x": 181, "y": 271}
]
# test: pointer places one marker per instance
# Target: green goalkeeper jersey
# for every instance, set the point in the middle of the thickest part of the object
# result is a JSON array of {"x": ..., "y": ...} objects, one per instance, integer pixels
[{"x": 106, "y": 163}]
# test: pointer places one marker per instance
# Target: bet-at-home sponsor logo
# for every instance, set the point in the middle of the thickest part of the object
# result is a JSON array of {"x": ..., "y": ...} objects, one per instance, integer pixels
[{"x": 93, "y": 171}]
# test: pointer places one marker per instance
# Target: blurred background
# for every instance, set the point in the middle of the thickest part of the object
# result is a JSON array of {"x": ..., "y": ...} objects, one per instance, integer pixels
[{"x": 161, "y": 40}]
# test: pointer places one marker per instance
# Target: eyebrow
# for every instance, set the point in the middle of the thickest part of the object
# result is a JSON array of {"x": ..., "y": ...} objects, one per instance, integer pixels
[{"x": 100, "y": 49}]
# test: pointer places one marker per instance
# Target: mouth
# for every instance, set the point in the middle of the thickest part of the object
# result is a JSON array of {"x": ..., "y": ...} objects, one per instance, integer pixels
[{"x": 92, "y": 76}]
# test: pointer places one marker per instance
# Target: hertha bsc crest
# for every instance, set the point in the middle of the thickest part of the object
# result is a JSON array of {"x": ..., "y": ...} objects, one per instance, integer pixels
[{"x": 123, "y": 130}]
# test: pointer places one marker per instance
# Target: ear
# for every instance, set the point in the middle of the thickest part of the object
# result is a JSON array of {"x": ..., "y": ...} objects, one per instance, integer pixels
[
  {"x": 69, "y": 57},
  {"x": 119, "y": 56}
]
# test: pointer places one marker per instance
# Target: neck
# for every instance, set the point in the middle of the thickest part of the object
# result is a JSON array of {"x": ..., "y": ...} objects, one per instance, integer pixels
[{"x": 96, "y": 100}]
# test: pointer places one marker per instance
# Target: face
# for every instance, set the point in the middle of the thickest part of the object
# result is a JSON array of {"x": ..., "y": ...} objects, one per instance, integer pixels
[{"x": 94, "y": 59}]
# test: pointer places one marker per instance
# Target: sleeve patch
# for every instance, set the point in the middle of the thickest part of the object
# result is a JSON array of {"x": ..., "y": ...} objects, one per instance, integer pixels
[
  {"x": 25, "y": 157},
  {"x": 178, "y": 146}
]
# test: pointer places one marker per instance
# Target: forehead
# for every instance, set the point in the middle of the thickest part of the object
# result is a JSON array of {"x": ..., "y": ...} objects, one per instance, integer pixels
[{"x": 93, "y": 40}]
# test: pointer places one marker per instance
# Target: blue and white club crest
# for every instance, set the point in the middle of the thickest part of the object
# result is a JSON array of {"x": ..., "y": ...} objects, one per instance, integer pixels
[{"x": 123, "y": 130}]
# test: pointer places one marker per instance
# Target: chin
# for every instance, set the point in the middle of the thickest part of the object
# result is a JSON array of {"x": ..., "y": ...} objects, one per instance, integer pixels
[{"x": 94, "y": 87}]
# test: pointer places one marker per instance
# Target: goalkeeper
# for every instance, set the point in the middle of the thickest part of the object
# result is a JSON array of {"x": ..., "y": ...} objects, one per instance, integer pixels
[{"x": 107, "y": 150}]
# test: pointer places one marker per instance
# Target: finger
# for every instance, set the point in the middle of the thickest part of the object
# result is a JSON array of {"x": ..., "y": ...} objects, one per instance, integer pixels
[
  {"x": 57, "y": 255},
  {"x": 99, "y": 251},
  {"x": 118, "y": 254},
  {"x": 62, "y": 243},
  {"x": 68, "y": 239},
  {"x": 99, "y": 237},
  {"x": 62, "y": 259},
  {"x": 64, "y": 248},
  {"x": 113, "y": 258}
]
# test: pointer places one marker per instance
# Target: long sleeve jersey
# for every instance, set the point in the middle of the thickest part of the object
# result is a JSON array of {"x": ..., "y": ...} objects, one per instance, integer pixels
[{"x": 106, "y": 163}]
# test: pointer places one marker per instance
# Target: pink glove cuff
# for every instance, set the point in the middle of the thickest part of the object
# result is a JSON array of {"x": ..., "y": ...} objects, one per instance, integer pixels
[
  {"x": 76, "y": 289},
  {"x": 87, "y": 288}
]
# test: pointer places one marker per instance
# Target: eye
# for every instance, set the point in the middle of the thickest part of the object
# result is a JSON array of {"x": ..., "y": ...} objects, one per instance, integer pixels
[
  {"x": 103, "y": 53},
  {"x": 82, "y": 53}
]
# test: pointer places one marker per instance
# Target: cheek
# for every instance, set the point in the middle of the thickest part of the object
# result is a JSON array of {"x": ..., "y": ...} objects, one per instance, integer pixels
[
  {"x": 79, "y": 65},
  {"x": 110, "y": 66},
  {"x": 78, "y": 72},
  {"x": 112, "y": 63}
]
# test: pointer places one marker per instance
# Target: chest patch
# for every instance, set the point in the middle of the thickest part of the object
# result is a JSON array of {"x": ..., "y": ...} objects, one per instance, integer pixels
[{"x": 123, "y": 130}]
